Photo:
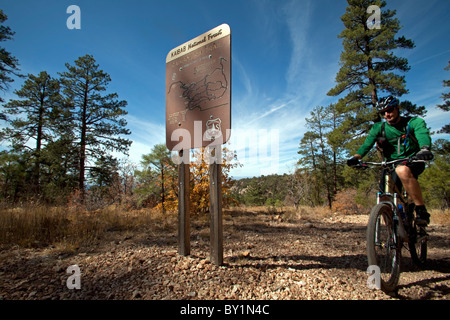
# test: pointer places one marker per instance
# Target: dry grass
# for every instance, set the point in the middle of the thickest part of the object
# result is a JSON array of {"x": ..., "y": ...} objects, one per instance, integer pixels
[
  {"x": 287, "y": 213},
  {"x": 66, "y": 229},
  {"x": 41, "y": 226},
  {"x": 306, "y": 212},
  {"x": 310, "y": 213},
  {"x": 440, "y": 216}
]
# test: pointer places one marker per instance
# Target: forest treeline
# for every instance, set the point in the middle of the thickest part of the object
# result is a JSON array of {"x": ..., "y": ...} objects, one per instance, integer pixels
[{"x": 60, "y": 132}]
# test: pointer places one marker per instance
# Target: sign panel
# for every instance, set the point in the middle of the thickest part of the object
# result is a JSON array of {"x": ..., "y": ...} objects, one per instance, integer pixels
[{"x": 198, "y": 91}]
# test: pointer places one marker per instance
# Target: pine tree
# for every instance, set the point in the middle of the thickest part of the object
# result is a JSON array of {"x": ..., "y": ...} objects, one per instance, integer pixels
[
  {"x": 446, "y": 105},
  {"x": 13, "y": 178},
  {"x": 317, "y": 154},
  {"x": 59, "y": 172},
  {"x": 9, "y": 65},
  {"x": 334, "y": 121},
  {"x": 97, "y": 119},
  {"x": 37, "y": 116},
  {"x": 434, "y": 180},
  {"x": 446, "y": 96},
  {"x": 159, "y": 160},
  {"x": 369, "y": 67},
  {"x": 105, "y": 170}
]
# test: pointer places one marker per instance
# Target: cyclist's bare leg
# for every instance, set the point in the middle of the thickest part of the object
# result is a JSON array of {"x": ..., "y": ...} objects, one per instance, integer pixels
[
  {"x": 412, "y": 187},
  {"x": 410, "y": 184}
]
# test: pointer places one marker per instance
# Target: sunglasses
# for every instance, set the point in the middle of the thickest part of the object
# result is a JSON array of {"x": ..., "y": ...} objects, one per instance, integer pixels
[{"x": 388, "y": 110}]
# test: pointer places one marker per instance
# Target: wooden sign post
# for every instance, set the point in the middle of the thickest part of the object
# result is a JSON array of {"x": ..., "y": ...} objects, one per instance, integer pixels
[
  {"x": 215, "y": 208},
  {"x": 184, "y": 230},
  {"x": 198, "y": 114}
]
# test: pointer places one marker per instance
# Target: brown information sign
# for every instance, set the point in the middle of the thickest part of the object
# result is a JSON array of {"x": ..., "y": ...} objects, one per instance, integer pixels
[{"x": 198, "y": 91}]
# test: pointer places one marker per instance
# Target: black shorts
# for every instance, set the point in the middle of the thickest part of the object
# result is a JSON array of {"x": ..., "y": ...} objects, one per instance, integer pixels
[{"x": 416, "y": 169}]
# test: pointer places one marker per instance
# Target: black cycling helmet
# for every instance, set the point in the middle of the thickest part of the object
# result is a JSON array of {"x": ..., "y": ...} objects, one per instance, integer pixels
[{"x": 386, "y": 103}]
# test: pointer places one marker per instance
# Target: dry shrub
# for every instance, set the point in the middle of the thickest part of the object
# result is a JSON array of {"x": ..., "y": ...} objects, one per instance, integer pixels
[
  {"x": 345, "y": 202},
  {"x": 32, "y": 226},
  {"x": 440, "y": 216},
  {"x": 285, "y": 213},
  {"x": 41, "y": 226},
  {"x": 312, "y": 213}
]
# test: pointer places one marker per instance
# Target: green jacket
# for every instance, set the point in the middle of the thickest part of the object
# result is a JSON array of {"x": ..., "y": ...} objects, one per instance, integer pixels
[{"x": 399, "y": 144}]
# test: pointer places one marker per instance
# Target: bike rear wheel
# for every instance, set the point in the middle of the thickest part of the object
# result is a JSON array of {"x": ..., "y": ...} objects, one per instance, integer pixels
[{"x": 383, "y": 249}]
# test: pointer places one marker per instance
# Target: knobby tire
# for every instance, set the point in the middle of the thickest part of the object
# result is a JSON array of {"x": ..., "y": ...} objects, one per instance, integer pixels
[
  {"x": 382, "y": 250},
  {"x": 418, "y": 247}
]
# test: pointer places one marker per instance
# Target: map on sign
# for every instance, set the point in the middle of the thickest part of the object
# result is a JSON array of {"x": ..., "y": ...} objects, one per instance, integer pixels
[
  {"x": 198, "y": 91},
  {"x": 211, "y": 87}
]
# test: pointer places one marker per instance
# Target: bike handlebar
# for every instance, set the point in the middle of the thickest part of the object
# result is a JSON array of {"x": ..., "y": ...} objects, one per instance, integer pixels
[{"x": 365, "y": 165}]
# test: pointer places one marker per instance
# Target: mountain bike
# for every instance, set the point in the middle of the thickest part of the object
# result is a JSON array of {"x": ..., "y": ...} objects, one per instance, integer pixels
[{"x": 392, "y": 226}]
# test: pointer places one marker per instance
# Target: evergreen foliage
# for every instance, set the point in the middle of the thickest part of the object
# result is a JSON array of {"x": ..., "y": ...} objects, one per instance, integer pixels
[
  {"x": 446, "y": 105},
  {"x": 9, "y": 65},
  {"x": 369, "y": 68},
  {"x": 57, "y": 130},
  {"x": 264, "y": 190},
  {"x": 96, "y": 119}
]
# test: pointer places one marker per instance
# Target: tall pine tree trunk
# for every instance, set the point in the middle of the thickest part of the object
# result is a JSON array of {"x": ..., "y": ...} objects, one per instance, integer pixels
[
  {"x": 83, "y": 144},
  {"x": 39, "y": 137}
]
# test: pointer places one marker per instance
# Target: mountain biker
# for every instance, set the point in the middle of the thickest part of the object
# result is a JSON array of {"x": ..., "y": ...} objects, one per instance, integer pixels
[{"x": 401, "y": 137}]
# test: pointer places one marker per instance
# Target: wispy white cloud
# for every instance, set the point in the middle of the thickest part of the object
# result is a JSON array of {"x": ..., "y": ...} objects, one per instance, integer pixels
[
  {"x": 267, "y": 141},
  {"x": 298, "y": 17},
  {"x": 431, "y": 57},
  {"x": 145, "y": 135},
  {"x": 436, "y": 119},
  {"x": 266, "y": 113},
  {"x": 146, "y": 131},
  {"x": 309, "y": 75},
  {"x": 314, "y": 59}
]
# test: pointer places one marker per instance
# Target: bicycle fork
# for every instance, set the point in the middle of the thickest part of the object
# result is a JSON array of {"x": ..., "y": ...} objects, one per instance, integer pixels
[
  {"x": 390, "y": 242},
  {"x": 397, "y": 223}
]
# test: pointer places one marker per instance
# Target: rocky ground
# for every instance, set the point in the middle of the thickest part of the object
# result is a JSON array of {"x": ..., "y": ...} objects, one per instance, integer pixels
[{"x": 267, "y": 256}]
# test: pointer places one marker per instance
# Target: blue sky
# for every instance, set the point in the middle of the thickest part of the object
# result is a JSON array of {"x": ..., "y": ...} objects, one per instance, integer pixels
[{"x": 285, "y": 56}]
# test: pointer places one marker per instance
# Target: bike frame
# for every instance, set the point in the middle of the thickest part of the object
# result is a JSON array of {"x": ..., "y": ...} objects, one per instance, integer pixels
[
  {"x": 391, "y": 195},
  {"x": 387, "y": 231}
]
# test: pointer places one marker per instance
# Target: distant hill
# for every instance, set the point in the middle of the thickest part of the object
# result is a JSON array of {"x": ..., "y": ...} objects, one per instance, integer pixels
[{"x": 263, "y": 190}]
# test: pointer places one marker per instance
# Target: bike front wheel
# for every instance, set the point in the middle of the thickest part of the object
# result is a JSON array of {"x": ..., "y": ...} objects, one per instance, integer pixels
[
  {"x": 383, "y": 247},
  {"x": 418, "y": 243}
]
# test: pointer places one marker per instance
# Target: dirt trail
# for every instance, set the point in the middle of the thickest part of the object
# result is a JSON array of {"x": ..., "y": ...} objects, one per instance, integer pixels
[{"x": 266, "y": 256}]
